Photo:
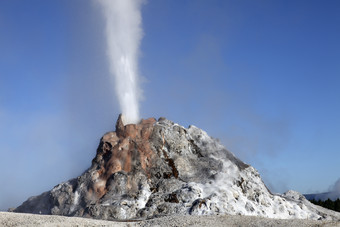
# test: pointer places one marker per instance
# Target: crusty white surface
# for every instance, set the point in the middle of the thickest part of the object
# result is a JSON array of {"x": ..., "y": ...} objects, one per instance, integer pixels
[{"x": 15, "y": 219}]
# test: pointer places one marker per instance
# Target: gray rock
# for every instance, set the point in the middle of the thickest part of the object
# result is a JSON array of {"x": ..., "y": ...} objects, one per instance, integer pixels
[{"x": 158, "y": 168}]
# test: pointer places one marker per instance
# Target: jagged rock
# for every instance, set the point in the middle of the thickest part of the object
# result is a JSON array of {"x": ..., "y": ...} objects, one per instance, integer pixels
[{"x": 158, "y": 168}]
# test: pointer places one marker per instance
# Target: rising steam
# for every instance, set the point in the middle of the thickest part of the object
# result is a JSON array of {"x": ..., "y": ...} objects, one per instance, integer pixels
[{"x": 124, "y": 33}]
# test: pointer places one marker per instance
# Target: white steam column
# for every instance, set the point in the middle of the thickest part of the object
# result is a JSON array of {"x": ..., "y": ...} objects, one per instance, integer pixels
[{"x": 124, "y": 33}]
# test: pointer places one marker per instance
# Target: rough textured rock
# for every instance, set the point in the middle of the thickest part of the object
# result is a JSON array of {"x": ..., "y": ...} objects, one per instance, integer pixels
[{"x": 158, "y": 168}]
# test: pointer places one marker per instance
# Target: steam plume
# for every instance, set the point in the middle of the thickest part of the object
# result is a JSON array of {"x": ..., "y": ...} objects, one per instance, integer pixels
[
  {"x": 335, "y": 190},
  {"x": 124, "y": 34}
]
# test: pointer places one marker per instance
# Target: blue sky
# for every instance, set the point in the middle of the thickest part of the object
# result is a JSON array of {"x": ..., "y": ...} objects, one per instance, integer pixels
[{"x": 262, "y": 76}]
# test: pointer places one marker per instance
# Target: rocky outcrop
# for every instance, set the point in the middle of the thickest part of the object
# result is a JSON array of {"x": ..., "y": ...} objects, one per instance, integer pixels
[{"x": 158, "y": 168}]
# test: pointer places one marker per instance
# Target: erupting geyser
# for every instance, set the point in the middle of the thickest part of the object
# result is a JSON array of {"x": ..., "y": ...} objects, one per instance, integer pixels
[
  {"x": 124, "y": 33},
  {"x": 150, "y": 168}
]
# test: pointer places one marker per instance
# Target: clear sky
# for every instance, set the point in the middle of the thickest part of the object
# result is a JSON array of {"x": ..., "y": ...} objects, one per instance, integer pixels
[{"x": 262, "y": 76}]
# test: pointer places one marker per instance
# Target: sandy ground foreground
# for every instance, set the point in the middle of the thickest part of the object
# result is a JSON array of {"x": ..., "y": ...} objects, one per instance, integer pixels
[{"x": 15, "y": 219}]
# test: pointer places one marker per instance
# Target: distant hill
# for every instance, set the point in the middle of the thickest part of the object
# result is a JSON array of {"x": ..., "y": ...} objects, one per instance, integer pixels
[{"x": 323, "y": 196}]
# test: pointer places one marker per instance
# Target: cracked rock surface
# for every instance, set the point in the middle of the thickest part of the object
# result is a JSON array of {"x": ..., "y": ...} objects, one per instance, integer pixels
[{"x": 158, "y": 168}]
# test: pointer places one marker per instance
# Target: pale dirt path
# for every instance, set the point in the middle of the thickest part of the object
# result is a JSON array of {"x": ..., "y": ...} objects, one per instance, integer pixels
[{"x": 14, "y": 219}]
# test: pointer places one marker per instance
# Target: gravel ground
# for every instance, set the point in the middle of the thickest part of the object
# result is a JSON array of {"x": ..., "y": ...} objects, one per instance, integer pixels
[{"x": 16, "y": 219}]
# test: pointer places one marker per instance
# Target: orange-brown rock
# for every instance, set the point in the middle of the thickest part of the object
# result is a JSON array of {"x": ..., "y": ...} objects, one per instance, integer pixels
[{"x": 121, "y": 150}]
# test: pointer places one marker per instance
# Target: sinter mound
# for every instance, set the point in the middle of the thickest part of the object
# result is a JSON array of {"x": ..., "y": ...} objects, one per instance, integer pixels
[{"x": 158, "y": 168}]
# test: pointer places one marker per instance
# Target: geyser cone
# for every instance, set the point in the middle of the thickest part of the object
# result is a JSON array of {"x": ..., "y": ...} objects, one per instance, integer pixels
[{"x": 160, "y": 168}]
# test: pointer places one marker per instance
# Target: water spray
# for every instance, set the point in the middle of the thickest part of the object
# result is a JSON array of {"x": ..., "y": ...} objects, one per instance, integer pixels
[{"x": 124, "y": 33}]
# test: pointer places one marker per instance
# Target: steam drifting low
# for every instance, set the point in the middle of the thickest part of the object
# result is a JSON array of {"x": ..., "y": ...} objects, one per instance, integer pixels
[{"x": 124, "y": 33}]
